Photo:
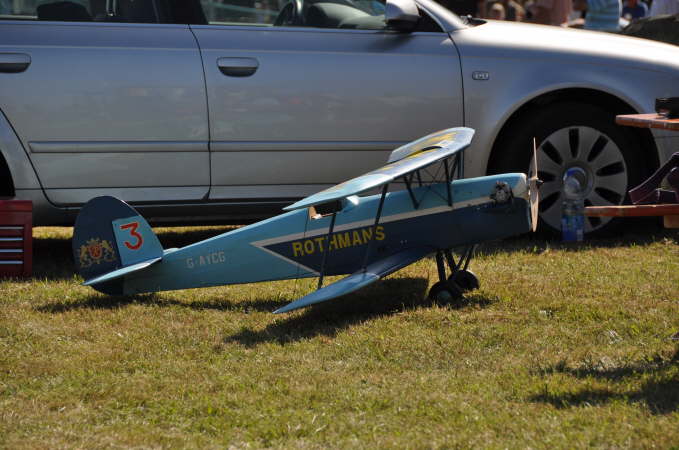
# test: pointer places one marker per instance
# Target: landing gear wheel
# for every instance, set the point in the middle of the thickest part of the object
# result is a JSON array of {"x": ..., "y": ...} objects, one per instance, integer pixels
[
  {"x": 465, "y": 280},
  {"x": 579, "y": 137},
  {"x": 445, "y": 292}
]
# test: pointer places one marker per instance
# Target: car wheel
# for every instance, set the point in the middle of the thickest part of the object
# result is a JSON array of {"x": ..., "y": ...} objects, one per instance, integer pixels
[{"x": 581, "y": 137}]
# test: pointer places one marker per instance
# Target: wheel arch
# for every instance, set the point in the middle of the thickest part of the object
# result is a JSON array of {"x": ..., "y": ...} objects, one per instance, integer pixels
[
  {"x": 593, "y": 97},
  {"x": 6, "y": 181},
  {"x": 19, "y": 180},
  {"x": 15, "y": 162}
]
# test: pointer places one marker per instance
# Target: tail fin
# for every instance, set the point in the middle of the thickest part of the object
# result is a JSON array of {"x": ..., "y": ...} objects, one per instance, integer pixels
[{"x": 111, "y": 239}]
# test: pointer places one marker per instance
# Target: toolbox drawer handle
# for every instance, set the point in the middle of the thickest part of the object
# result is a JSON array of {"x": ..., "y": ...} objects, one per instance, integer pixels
[
  {"x": 12, "y": 239},
  {"x": 11, "y": 250},
  {"x": 11, "y": 263},
  {"x": 11, "y": 228}
]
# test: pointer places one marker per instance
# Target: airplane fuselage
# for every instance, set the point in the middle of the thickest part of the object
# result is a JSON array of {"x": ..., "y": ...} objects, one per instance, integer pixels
[{"x": 293, "y": 245}]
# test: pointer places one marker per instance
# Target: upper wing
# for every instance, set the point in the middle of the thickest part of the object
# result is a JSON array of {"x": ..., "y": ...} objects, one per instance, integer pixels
[
  {"x": 403, "y": 160},
  {"x": 356, "y": 281},
  {"x": 450, "y": 139}
]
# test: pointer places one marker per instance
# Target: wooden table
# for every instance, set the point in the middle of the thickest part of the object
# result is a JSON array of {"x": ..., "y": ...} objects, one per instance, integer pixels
[
  {"x": 669, "y": 211},
  {"x": 648, "y": 121}
]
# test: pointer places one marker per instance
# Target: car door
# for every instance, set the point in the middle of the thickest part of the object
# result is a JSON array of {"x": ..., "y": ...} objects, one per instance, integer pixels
[
  {"x": 296, "y": 108},
  {"x": 106, "y": 101}
]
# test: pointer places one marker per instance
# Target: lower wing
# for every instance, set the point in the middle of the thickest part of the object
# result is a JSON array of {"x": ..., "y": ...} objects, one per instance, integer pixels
[{"x": 373, "y": 272}]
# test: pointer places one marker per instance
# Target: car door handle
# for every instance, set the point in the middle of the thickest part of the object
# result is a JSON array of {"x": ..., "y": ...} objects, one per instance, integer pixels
[
  {"x": 237, "y": 67},
  {"x": 14, "y": 62}
]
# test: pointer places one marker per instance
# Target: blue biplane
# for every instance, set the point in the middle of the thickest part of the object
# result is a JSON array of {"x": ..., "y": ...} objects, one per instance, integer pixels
[{"x": 333, "y": 232}]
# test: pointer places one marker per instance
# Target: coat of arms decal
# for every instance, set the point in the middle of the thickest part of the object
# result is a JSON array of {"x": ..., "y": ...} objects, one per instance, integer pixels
[{"x": 96, "y": 251}]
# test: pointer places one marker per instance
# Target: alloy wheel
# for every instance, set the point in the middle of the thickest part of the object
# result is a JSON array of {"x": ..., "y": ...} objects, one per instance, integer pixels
[{"x": 599, "y": 164}]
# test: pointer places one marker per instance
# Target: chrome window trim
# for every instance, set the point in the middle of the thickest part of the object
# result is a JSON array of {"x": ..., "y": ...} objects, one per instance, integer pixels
[
  {"x": 93, "y": 24},
  {"x": 311, "y": 30}
]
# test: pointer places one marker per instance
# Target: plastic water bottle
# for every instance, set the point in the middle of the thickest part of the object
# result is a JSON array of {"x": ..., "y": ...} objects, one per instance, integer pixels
[{"x": 573, "y": 208}]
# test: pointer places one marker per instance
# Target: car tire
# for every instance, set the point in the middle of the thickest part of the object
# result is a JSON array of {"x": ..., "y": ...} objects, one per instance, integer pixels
[{"x": 574, "y": 136}]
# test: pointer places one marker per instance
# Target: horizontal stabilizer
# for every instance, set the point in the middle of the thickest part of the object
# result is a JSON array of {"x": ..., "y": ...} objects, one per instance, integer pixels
[
  {"x": 121, "y": 272},
  {"x": 403, "y": 160},
  {"x": 358, "y": 280}
]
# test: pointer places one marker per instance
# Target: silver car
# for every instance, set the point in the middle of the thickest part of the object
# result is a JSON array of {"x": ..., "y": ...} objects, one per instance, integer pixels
[{"x": 228, "y": 110}]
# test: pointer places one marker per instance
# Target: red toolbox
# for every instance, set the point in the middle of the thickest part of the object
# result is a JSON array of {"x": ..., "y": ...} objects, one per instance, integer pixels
[{"x": 16, "y": 238}]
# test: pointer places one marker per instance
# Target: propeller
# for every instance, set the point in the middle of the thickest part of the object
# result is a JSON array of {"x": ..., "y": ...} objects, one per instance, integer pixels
[{"x": 534, "y": 184}]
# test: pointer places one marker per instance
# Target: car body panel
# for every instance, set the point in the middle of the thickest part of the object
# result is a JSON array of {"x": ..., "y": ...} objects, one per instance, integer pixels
[
  {"x": 106, "y": 105},
  {"x": 19, "y": 164},
  {"x": 323, "y": 104},
  {"x": 26, "y": 183},
  {"x": 522, "y": 69}
]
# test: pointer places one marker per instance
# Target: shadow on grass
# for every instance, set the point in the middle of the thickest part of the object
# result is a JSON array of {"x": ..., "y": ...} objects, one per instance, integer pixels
[
  {"x": 383, "y": 298},
  {"x": 52, "y": 259},
  {"x": 538, "y": 243},
  {"x": 96, "y": 301},
  {"x": 92, "y": 302},
  {"x": 660, "y": 390}
]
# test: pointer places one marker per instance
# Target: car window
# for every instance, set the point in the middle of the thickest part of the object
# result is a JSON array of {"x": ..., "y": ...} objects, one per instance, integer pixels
[
  {"x": 356, "y": 14},
  {"x": 127, "y": 11}
]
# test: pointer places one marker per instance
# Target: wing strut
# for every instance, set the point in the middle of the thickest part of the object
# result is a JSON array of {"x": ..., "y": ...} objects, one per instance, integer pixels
[
  {"x": 454, "y": 172},
  {"x": 374, "y": 229},
  {"x": 409, "y": 186},
  {"x": 457, "y": 166},
  {"x": 450, "y": 173},
  {"x": 450, "y": 192},
  {"x": 327, "y": 250}
]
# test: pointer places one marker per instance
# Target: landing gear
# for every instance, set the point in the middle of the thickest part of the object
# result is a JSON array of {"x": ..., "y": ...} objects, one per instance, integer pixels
[
  {"x": 461, "y": 280},
  {"x": 465, "y": 279},
  {"x": 445, "y": 292}
]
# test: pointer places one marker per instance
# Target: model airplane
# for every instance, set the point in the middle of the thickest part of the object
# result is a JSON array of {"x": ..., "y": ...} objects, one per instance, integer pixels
[{"x": 333, "y": 232}]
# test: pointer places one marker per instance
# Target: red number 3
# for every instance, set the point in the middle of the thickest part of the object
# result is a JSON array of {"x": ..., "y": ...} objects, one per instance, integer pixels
[{"x": 132, "y": 227}]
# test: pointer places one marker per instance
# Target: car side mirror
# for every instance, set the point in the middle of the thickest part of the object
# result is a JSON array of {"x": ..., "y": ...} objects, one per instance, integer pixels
[{"x": 401, "y": 15}]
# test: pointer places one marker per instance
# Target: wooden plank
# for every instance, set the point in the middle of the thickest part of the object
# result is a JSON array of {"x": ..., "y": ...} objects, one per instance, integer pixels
[
  {"x": 666, "y": 209},
  {"x": 652, "y": 120}
]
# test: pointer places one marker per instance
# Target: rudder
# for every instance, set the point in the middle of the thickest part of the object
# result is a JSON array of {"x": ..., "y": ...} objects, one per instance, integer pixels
[{"x": 109, "y": 235}]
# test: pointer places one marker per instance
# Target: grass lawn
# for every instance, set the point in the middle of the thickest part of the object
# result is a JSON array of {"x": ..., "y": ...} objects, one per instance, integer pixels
[{"x": 563, "y": 346}]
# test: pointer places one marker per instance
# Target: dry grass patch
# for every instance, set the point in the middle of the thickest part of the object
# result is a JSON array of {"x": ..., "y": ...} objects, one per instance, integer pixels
[{"x": 563, "y": 346}]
